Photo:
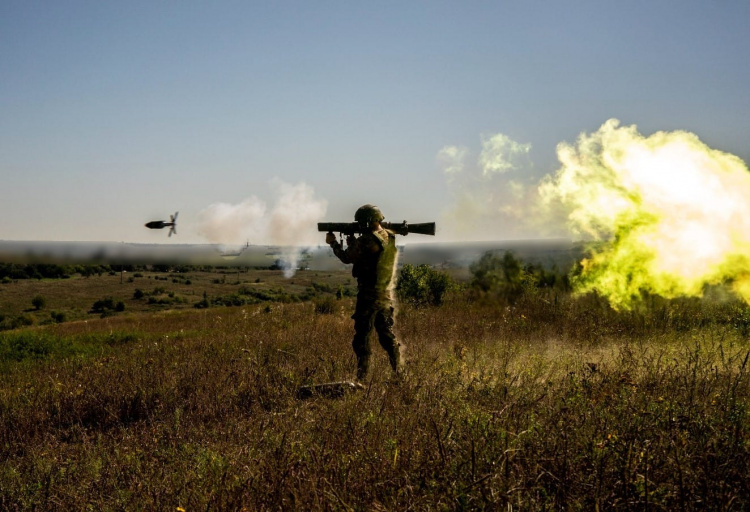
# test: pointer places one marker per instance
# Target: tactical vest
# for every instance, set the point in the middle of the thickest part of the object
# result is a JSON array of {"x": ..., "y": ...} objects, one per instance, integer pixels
[
  {"x": 374, "y": 272},
  {"x": 386, "y": 262}
]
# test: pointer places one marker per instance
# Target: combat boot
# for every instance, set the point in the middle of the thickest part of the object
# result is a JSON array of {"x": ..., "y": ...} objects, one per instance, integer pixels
[
  {"x": 394, "y": 357},
  {"x": 363, "y": 367}
]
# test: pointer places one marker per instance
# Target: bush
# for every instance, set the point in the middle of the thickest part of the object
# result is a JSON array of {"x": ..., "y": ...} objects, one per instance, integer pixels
[
  {"x": 505, "y": 277},
  {"x": 39, "y": 302},
  {"x": 107, "y": 307},
  {"x": 499, "y": 274},
  {"x": 343, "y": 291},
  {"x": 14, "y": 322},
  {"x": 26, "y": 345},
  {"x": 325, "y": 305},
  {"x": 422, "y": 285},
  {"x": 322, "y": 287},
  {"x": 103, "y": 304},
  {"x": 58, "y": 317},
  {"x": 204, "y": 303}
]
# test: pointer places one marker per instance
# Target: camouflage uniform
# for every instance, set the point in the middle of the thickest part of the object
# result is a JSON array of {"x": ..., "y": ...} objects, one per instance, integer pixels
[{"x": 374, "y": 257}]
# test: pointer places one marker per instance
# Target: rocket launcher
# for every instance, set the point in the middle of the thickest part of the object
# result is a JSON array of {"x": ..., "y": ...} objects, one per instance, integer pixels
[{"x": 402, "y": 228}]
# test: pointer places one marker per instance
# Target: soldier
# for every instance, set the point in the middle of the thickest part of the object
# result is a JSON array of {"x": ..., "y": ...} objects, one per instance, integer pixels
[{"x": 374, "y": 257}]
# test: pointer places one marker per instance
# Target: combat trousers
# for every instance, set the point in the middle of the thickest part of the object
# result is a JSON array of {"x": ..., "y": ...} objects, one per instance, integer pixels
[{"x": 369, "y": 314}]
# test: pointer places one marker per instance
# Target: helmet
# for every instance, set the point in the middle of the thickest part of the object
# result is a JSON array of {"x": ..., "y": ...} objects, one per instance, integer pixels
[{"x": 368, "y": 214}]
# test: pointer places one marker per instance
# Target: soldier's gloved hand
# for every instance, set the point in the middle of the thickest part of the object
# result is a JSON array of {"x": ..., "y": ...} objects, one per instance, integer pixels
[
  {"x": 351, "y": 240},
  {"x": 330, "y": 238}
]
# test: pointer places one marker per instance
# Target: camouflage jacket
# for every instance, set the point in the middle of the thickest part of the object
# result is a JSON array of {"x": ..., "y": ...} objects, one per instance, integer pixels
[{"x": 374, "y": 258}]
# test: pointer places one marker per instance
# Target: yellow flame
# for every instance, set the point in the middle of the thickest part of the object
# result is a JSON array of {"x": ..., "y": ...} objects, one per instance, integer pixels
[{"x": 674, "y": 213}]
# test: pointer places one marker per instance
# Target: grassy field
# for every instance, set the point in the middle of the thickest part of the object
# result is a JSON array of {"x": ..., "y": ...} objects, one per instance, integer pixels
[
  {"x": 550, "y": 403},
  {"x": 76, "y": 296}
]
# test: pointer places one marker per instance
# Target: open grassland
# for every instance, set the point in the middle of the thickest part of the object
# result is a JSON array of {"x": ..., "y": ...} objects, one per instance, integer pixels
[
  {"x": 552, "y": 403},
  {"x": 154, "y": 291}
]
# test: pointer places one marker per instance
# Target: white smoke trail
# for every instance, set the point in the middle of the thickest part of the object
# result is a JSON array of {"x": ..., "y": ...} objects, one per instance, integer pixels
[{"x": 290, "y": 222}]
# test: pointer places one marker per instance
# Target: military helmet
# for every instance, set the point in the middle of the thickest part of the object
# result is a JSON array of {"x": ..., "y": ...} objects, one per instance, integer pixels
[{"x": 368, "y": 214}]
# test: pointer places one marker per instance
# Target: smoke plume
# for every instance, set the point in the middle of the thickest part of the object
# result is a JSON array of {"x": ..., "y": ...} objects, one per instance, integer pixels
[
  {"x": 290, "y": 222},
  {"x": 668, "y": 214},
  {"x": 672, "y": 213},
  {"x": 490, "y": 192}
]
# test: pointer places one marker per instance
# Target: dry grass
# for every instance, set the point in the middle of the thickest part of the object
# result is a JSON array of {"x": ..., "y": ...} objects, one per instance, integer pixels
[
  {"x": 554, "y": 403},
  {"x": 75, "y": 296}
]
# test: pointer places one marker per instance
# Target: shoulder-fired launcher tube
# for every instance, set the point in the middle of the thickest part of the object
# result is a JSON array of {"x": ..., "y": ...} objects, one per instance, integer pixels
[{"x": 400, "y": 228}]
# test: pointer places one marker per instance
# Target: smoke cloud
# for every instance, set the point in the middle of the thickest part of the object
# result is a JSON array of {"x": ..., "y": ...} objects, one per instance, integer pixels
[
  {"x": 290, "y": 222},
  {"x": 491, "y": 191},
  {"x": 500, "y": 154},
  {"x": 672, "y": 213},
  {"x": 668, "y": 215}
]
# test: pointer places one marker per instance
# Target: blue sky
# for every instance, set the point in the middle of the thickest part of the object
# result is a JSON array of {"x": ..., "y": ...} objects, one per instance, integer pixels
[{"x": 117, "y": 113}]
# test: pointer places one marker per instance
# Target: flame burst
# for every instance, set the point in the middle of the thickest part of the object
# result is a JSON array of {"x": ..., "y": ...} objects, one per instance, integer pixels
[{"x": 674, "y": 213}]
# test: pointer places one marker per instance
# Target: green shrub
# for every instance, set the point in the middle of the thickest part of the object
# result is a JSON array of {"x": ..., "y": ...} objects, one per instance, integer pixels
[
  {"x": 345, "y": 291},
  {"x": 505, "y": 277},
  {"x": 26, "y": 345},
  {"x": 103, "y": 304},
  {"x": 203, "y": 303},
  {"x": 497, "y": 274},
  {"x": 39, "y": 302},
  {"x": 325, "y": 305},
  {"x": 14, "y": 322},
  {"x": 58, "y": 317},
  {"x": 322, "y": 287},
  {"x": 422, "y": 285},
  {"x": 107, "y": 307}
]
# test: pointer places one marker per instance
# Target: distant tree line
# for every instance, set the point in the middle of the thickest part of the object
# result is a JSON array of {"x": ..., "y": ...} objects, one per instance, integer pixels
[
  {"x": 35, "y": 271},
  {"x": 16, "y": 271}
]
